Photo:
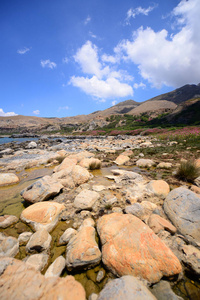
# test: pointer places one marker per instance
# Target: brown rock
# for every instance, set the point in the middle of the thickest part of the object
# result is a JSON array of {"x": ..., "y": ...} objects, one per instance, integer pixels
[
  {"x": 66, "y": 163},
  {"x": 121, "y": 159},
  {"x": 129, "y": 247},
  {"x": 21, "y": 282},
  {"x": 157, "y": 223},
  {"x": 42, "y": 215},
  {"x": 39, "y": 241}
]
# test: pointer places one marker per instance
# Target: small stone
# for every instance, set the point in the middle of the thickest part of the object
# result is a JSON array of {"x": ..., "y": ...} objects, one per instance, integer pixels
[
  {"x": 121, "y": 159},
  {"x": 157, "y": 223},
  {"x": 100, "y": 275},
  {"x": 162, "y": 290},
  {"x": 145, "y": 163},
  {"x": 8, "y": 179},
  {"x": 56, "y": 268},
  {"x": 86, "y": 199},
  {"x": 158, "y": 187},
  {"x": 32, "y": 145},
  {"x": 9, "y": 246},
  {"x": 66, "y": 236},
  {"x": 7, "y": 220},
  {"x": 24, "y": 237},
  {"x": 39, "y": 241}
]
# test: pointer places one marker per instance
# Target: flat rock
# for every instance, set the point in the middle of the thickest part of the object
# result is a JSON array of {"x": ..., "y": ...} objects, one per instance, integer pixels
[
  {"x": 9, "y": 246},
  {"x": 39, "y": 241},
  {"x": 129, "y": 247},
  {"x": 42, "y": 215},
  {"x": 164, "y": 165},
  {"x": 37, "y": 261},
  {"x": 82, "y": 249},
  {"x": 7, "y": 220},
  {"x": 128, "y": 177},
  {"x": 56, "y": 268},
  {"x": 182, "y": 208},
  {"x": 22, "y": 282},
  {"x": 157, "y": 223},
  {"x": 158, "y": 187},
  {"x": 141, "y": 210},
  {"x": 121, "y": 159},
  {"x": 8, "y": 179},
  {"x": 86, "y": 199},
  {"x": 41, "y": 190},
  {"x": 127, "y": 287},
  {"x": 145, "y": 163},
  {"x": 66, "y": 236}
]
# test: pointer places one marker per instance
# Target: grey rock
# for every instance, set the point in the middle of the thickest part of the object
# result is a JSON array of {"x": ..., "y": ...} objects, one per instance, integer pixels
[
  {"x": 163, "y": 291},
  {"x": 127, "y": 287},
  {"x": 86, "y": 199},
  {"x": 191, "y": 258},
  {"x": 9, "y": 246},
  {"x": 66, "y": 236},
  {"x": 7, "y": 220},
  {"x": 182, "y": 206},
  {"x": 24, "y": 237}
]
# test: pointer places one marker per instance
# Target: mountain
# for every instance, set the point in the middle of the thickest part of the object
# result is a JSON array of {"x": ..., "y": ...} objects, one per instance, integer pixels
[{"x": 182, "y": 106}]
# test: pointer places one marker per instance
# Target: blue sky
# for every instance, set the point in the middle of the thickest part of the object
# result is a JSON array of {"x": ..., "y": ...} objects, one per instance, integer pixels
[{"x": 64, "y": 58}]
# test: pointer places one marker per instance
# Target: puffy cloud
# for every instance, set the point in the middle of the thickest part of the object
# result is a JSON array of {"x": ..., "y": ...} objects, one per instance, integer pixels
[
  {"x": 139, "y": 85},
  {"x": 109, "y": 88},
  {"x": 87, "y": 20},
  {"x": 36, "y": 112},
  {"x": 114, "y": 102},
  {"x": 170, "y": 60},
  {"x": 104, "y": 82},
  {"x": 8, "y": 114},
  {"x": 133, "y": 12},
  {"x": 23, "y": 50},
  {"x": 48, "y": 64},
  {"x": 87, "y": 57}
]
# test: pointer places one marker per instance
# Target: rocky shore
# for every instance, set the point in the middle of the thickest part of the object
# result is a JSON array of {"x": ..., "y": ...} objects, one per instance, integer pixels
[{"x": 108, "y": 221}]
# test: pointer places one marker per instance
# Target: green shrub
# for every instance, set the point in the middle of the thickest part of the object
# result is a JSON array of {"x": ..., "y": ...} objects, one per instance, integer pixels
[{"x": 188, "y": 171}]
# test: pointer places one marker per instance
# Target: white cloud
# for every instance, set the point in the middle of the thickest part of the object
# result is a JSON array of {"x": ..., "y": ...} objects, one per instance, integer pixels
[
  {"x": 139, "y": 85},
  {"x": 87, "y": 20},
  {"x": 109, "y": 88},
  {"x": 87, "y": 57},
  {"x": 65, "y": 60},
  {"x": 114, "y": 102},
  {"x": 92, "y": 35},
  {"x": 8, "y": 114},
  {"x": 63, "y": 108},
  {"x": 36, "y": 112},
  {"x": 47, "y": 63},
  {"x": 23, "y": 50},
  {"x": 133, "y": 12},
  {"x": 163, "y": 59}
]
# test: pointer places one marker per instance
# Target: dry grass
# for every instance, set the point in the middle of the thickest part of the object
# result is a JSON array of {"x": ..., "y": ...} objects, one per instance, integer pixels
[{"x": 188, "y": 171}]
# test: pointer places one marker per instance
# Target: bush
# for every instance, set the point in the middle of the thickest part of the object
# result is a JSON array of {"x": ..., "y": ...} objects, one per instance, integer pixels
[{"x": 188, "y": 171}]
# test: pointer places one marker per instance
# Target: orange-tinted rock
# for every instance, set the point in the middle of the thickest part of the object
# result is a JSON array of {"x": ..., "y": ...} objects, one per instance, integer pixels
[
  {"x": 158, "y": 187},
  {"x": 67, "y": 162},
  {"x": 22, "y": 282},
  {"x": 42, "y": 215},
  {"x": 157, "y": 223},
  {"x": 129, "y": 247},
  {"x": 121, "y": 159}
]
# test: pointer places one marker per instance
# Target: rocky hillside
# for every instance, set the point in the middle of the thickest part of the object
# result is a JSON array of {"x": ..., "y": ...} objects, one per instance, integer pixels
[{"x": 175, "y": 104}]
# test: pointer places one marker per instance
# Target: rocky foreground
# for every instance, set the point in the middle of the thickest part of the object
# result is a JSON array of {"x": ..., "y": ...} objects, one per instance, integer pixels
[{"x": 134, "y": 237}]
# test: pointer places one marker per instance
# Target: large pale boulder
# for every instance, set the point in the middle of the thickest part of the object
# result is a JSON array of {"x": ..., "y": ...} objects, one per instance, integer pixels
[
  {"x": 182, "y": 206},
  {"x": 127, "y": 287},
  {"x": 39, "y": 241},
  {"x": 7, "y": 220},
  {"x": 42, "y": 215},
  {"x": 145, "y": 163},
  {"x": 9, "y": 246},
  {"x": 158, "y": 187},
  {"x": 41, "y": 190},
  {"x": 129, "y": 247},
  {"x": 121, "y": 159},
  {"x": 80, "y": 175},
  {"x": 8, "y": 179},
  {"x": 21, "y": 282},
  {"x": 82, "y": 249},
  {"x": 86, "y": 199},
  {"x": 66, "y": 163}
]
